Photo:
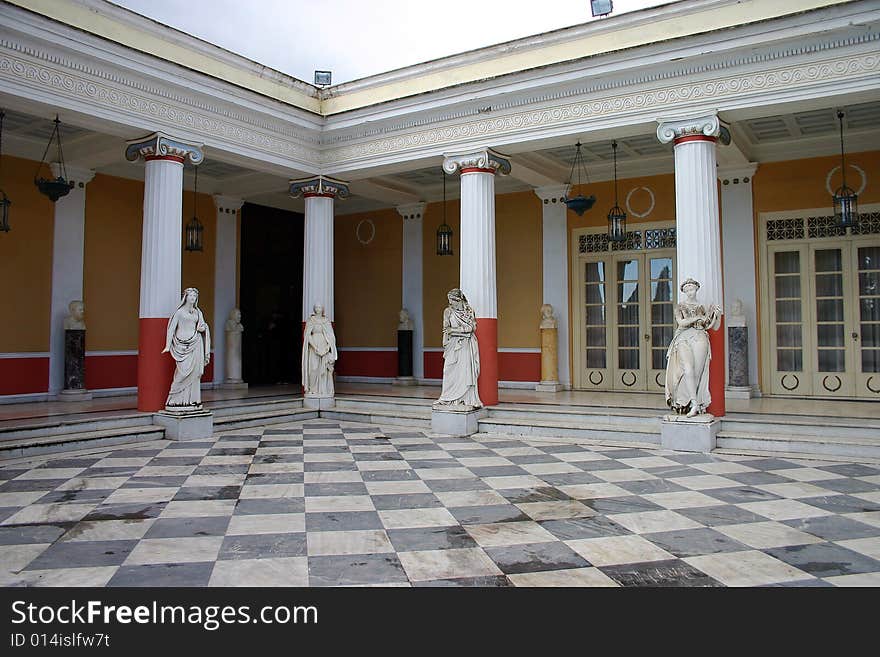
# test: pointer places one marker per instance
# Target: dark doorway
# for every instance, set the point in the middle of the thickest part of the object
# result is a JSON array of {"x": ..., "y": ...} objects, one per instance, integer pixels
[{"x": 271, "y": 294}]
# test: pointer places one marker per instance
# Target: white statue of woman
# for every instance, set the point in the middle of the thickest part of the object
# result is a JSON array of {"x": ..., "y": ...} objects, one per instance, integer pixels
[
  {"x": 687, "y": 366},
  {"x": 319, "y": 355},
  {"x": 234, "y": 330},
  {"x": 461, "y": 358},
  {"x": 189, "y": 341}
]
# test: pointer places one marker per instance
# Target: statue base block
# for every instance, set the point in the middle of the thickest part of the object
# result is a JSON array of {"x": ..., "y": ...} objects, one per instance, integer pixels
[
  {"x": 231, "y": 385},
  {"x": 548, "y": 386},
  {"x": 319, "y": 403},
  {"x": 454, "y": 422},
  {"x": 739, "y": 392},
  {"x": 186, "y": 425},
  {"x": 694, "y": 434},
  {"x": 74, "y": 395},
  {"x": 405, "y": 381}
]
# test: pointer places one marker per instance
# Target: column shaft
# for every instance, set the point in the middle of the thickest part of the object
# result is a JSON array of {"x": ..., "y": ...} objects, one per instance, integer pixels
[
  {"x": 318, "y": 255},
  {"x": 225, "y": 277},
  {"x": 412, "y": 280},
  {"x": 555, "y": 269}
]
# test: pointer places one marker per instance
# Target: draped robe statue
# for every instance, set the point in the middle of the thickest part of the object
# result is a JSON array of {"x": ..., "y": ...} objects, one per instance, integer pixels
[
  {"x": 461, "y": 358},
  {"x": 687, "y": 366},
  {"x": 319, "y": 355},
  {"x": 189, "y": 342}
]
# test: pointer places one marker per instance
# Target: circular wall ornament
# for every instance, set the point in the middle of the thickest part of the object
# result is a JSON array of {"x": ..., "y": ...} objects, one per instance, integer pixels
[
  {"x": 829, "y": 389},
  {"x": 836, "y": 169},
  {"x": 657, "y": 379},
  {"x": 371, "y": 230},
  {"x": 601, "y": 377},
  {"x": 630, "y": 383},
  {"x": 797, "y": 382},
  {"x": 868, "y": 386},
  {"x": 629, "y": 209}
]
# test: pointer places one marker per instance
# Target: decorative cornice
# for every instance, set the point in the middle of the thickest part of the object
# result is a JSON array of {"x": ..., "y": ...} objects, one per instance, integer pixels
[
  {"x": 76, "y": 175},
  {"x": 158, "y": 146},
  {"x": 484, "y": 160},
  {"x": 319, "y": 186},
  {"x": 411, "y": 210},
  {"x": 737, "y": 174},
  {"x": 683, "y": 128},
  {"x": 227, "y": 204}
]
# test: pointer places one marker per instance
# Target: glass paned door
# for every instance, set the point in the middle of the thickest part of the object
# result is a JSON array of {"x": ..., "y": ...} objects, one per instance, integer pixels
[
  {"x": 788, "y": 339},
  {"x": 832, "y": 355},
  {"x": 629, "y": 347},
  {"x": 595, "y": 356},
  {"x": 866, "y": 332},
  {"x": 662, "y": 280}
]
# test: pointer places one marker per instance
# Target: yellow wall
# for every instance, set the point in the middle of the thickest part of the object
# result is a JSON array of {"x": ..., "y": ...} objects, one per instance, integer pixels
[
  {"x": 25, "y": 261},
  {"x": 440, "y": 273},
  {"x": 800, "y": 184},
  {"x": 198, "y": 266},
  {"x": 368, "y": 279},
  {"x": 663, "y": 187},
  {"x": 518, "y": 253}
]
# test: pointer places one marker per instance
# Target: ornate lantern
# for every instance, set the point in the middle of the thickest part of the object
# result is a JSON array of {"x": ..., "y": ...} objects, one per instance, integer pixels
[
  {"x": 616, "y": 215},
  {"x": 59, "y": 186},
  {"x": 846, "y": 201},
  {"x": 578, "y": 203},
  {"x": 4, "y": 200},
  {"x": 194, "y": 228},
  {"x": 444, "y": 233}
]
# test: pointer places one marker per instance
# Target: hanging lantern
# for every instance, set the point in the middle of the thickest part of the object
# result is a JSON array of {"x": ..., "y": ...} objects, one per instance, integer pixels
[
  {"x": 616, "y": 215},
  {"x": 195, "y": 229},
  {"x": 4, "y": 200},
  {"x": 846, "y": 201},
  {"x": 578, "y": 203},
  {"x": 59, "y": 186},
  {"x": 444, "y": 233}
]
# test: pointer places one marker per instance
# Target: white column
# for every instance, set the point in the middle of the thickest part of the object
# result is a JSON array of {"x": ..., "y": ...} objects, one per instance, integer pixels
[
  {"x": 160, "y": 257},
  {"x": 412, "y": 279},
  {"x": 555, "y": 268},
  {"x": 477, "y": 271},
  {"x": 738, "y": 250},
  {"x": 225, "y": 277},
  {"x": 319, "y": 194},
  {"x": 68, "y": 243},
  {"x": 697, "y": 226}
]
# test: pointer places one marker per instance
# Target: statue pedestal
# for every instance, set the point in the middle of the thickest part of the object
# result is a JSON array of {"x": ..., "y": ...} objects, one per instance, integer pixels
[
  {"x": 319, "y": 403},
  {"x": 186, "y": 425},
  {"x": 548, "y": 386},
  {"x": 74, "y": 367},
  {"x": 405, "y": 358},
  {"x": 549, "y": 362},
  {"x": 694, "y": 434},
  {"x": 456, "y": 422},
  {"x": 738, "y": 361}
]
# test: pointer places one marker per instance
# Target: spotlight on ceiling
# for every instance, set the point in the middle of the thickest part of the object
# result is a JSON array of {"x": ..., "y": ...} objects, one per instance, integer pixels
[
  {"x": 601, "y": 7},
  {"x": 323, "y": 78}
]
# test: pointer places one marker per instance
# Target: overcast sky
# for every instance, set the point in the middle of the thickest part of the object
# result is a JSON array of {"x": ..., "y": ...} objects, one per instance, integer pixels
[{"x": 357, "y": 38}]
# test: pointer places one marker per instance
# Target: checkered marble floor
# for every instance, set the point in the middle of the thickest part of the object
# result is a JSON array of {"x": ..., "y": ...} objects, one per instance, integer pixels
[{"x": 324, "y": 503}]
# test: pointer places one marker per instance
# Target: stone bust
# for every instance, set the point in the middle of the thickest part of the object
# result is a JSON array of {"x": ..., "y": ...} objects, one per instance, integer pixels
[
  {"x": 75, "y": 321},
  {"x": 233, "y": 324},
  {"x": 736, "y": 316},
  {"x": 548, "y": 321},
  {"x": 406, "y": 323}
]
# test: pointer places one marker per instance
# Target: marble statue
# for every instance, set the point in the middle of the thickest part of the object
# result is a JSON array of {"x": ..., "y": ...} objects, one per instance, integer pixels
[
  {"x": 319, "y": 355},
  {"x": 548, "y": 321},
  {"x": 75, "y": 321},
  {"x": 234, "y": 330},
  {"x": 189, "y": 342},
  {"x": 461, "y": 357},
  {"x": 687, "y": 366},
  {"x": 406, "y": 323}
]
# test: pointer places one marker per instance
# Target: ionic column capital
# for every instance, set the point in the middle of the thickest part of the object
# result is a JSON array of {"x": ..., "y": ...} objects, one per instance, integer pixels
[
  {"x": 411, "y": 210},
  {"x": 227, "y": 203},
  {"x": 159, "y": 146},
  {"x": 319, "y": 186},
  {"x": 77, "y": 175},
  {"x": 484, "y": 160},
  {"x": 706, "y": 127},
  {"x": 551, "y": 193}
]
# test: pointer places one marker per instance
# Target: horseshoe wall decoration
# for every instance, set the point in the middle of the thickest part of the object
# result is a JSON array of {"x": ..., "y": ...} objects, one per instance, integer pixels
[
  {"x": 624, "y": 381},
  {"x": 797, "y": 382},
  {"x": 825, "y": 383}
]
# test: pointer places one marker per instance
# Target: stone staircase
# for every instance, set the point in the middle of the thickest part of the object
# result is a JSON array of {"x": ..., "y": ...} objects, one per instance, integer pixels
[{"x": 390, "y": 411}]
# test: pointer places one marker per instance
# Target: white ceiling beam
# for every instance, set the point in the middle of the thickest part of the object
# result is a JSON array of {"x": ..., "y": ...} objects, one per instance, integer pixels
[
  {"x": 536, "y": 177},
  {"x": 383, "y": 193}
]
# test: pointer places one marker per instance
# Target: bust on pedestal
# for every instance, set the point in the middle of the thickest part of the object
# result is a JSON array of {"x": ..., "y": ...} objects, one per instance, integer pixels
[
  {"x": 319, "y": 358},
  {"x": 738, "y": 353},
  {"x": 690, "y": 428},
  {"x": 549, "y": 354},
  {"x": 75, "y": 354},
  {"x": 405, "y": 350},
  {"x": 188, "y": 340},
  {"x": 234, "y": 329}
]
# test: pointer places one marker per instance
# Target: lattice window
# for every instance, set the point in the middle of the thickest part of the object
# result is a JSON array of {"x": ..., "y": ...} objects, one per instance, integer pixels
[
  {"x": 869, "y": 224},
  {"x": 593, "y": 243},
  {"x": 818, "y": 227},
  {"x": 633, "y": 242},
  {"x": 660, "y": 238},
  {"x": 785, "y": 229}
]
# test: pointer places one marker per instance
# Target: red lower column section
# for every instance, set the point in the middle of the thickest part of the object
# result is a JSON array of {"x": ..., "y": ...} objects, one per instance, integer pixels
[
  {"x": 487, "y": 339},
  {"x": 155, "y": 369},
  {"x": 716, "y": 370}
]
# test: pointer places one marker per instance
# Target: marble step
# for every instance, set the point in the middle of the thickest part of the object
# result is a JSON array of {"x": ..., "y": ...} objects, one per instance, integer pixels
[
  {"x": 237, "y": 406},
  {"x": 59, "y": 426},
  {"x": 282, "y": 415},
  {"x": 405, "y": 418},
  {"x": 850, "y": 447},
  {"x": 50, "y": 444},
  {"x": 647, "y": 419},
  {"x": 579, "y": 431},
  {"x": 384, "y": 404},
  {"x": 802, "y": 425}
]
